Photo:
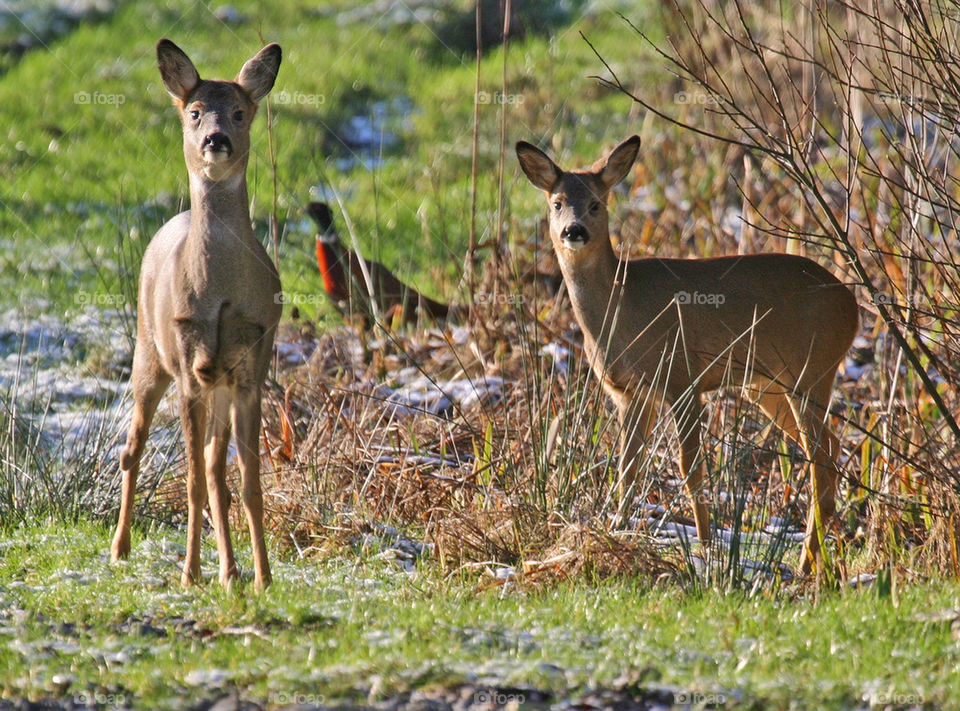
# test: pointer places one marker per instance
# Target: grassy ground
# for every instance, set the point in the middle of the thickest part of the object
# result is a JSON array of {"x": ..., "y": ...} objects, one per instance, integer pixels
[
  {"x": 359, "y": 628},
  {"x": 91, "y": 158}
]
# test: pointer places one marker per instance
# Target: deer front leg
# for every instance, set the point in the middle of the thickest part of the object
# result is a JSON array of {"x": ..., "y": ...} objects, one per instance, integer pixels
[
  {"x": 823, "y": 507},
  {"x": 820, "y": 516},
  {"x": 218, "y": 438},
  {"x": 193, "y": 417},
  {"x": 688, "y": 417},
  {"x": 246, "y": 422},
  {"x": 637, "y": 413},
  {"x": 822, "y": 448},
  {"x": 149, "y": 384}
]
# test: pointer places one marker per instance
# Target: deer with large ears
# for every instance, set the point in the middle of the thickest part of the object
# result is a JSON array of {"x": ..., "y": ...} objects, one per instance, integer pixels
[
  {"x": 207, "y": 311},
  {"x": 660, "y": 332}
]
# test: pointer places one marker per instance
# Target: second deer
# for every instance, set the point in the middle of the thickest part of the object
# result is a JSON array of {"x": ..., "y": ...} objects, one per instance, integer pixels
[
  {"x": 660, "y": 332},
  {"x": 207, "y": 311}
]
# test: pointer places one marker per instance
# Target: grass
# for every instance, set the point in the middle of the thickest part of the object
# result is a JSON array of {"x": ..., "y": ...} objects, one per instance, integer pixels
[
  {"x": 95, "y": 141},
  {"x": 359, "y": 627}
]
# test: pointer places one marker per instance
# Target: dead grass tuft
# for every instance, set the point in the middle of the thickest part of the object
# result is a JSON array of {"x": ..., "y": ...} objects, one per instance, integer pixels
[{"x": 581, "y": 552}]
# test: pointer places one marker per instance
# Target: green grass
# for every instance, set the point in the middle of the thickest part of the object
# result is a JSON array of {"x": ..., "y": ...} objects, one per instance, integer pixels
[
  {"x": 327, "y": 629},
  {"x": 79, "y": 179}
]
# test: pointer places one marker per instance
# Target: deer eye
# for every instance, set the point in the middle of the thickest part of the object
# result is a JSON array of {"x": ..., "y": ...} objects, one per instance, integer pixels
[
  {"x": 195, "y": 114},
  {"x": 557, "y": 205},
  {"x": 238, "y": 116},
  {"x": 594, "y": 206}
]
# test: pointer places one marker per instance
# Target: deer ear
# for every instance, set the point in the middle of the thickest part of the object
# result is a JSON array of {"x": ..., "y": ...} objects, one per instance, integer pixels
[
  {"x": 177, "y": 71},
  {"x": 260, "y": 72},
  {"x": 614, "y": 167},
  {"x": 537, "y": 166}
]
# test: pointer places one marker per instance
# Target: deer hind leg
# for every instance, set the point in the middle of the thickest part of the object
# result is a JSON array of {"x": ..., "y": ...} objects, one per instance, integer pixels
[
  {"x": 776, "y": 405},
  {"x": 193, "y": 417},
  {"x": 218, "y": 438},
  {"x": 246, "y": 422},
  {"x": 149, "y": 384},
  {"x": 688, "y": 413},
  {"x": 822, "y": 447}
]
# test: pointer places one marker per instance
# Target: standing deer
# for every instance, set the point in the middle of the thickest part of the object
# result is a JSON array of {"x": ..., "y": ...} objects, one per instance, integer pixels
[
  {"x": 660, "y": 332},
  {"x": 207, "y": 310}
]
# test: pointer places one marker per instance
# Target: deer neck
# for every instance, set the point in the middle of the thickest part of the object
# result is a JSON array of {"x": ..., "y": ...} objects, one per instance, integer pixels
[
  {"x": 591, "y": 280},
  {"x": 219, "y": 210}
]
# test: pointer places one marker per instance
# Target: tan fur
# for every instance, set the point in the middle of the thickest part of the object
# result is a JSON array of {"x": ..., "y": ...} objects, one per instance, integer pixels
[
  {"x": 207, "y": 312},
  {"x": 660, "y": 332}
]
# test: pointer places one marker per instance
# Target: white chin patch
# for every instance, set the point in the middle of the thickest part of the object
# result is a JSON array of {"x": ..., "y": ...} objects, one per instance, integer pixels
[
  {"x": 574, "y": 244},
  {"x": 215, "y": 156}
]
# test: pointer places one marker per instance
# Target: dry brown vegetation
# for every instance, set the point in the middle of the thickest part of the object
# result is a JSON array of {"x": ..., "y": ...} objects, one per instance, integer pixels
[{"x": 514, "y": 478}]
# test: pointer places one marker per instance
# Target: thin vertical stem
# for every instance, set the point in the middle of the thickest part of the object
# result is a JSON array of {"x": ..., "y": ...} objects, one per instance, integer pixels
[
  {"x": 498, "y": 239},
  {"x": 274, "y": 221},
  {"x": 472, "y": 246}
]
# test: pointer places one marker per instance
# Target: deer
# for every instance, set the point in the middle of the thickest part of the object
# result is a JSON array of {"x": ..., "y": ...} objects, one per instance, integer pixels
[
  {"x": 207, "y": 312},
  {"x": 659, "y": 333}
]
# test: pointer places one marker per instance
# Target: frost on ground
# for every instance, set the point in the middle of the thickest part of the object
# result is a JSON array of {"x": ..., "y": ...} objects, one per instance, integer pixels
[
  {"x": 66, "y": 381},
  {"x": 29, "y": 24},
  {"x": 63, "y": 381}
]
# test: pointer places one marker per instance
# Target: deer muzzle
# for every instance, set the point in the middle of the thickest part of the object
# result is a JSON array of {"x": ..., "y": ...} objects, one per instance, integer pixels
[
  {"x": 574, "y": 236},
  {"x": 216, "y": 144}
]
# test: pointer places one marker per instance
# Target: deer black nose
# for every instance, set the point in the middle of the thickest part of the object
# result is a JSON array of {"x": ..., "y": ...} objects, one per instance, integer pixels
[
  {"x": 217, "y": 142},
  {"x": 574, "y": 233}
]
